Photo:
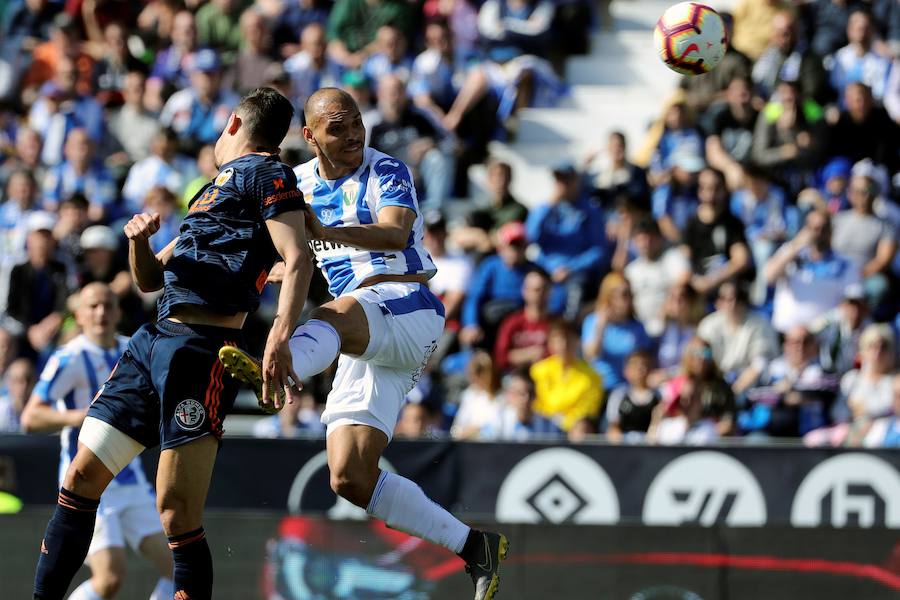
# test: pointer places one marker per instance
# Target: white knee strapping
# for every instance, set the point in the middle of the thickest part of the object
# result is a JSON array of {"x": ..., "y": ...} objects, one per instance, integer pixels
[
  {"x": 314, "y": 346},
  {"x": 114, "y": 449}
]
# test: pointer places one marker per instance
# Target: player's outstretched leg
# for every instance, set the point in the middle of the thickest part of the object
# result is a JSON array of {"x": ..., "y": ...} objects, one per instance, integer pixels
[
  {"x": 314, "y": 347},
  {"x": 353, "y": 453},
  {"x": 69, "y": 532}
]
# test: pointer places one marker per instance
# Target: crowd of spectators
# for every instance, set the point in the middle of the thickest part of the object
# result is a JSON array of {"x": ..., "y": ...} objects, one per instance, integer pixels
[{"x": 736, "y": 276}]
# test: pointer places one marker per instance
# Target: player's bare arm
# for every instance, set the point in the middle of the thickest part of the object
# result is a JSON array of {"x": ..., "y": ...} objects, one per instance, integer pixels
[
  {"x": 146, "y": 267},
  {"x": 391, "y": 232},
  {"x": 39, "y": 417},
  {"x": 288, "y": 234}
]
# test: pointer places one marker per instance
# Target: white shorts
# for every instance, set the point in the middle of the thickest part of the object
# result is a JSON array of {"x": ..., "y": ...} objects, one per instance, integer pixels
[
  {"x": 126, "y": 515},
  {"x": 405, "y": 322}
]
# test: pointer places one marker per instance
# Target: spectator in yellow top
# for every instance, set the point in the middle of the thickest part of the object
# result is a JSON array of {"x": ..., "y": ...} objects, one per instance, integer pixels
[
  {"x": 753, "y": 25},
  {"x": 568, "y": 390}
]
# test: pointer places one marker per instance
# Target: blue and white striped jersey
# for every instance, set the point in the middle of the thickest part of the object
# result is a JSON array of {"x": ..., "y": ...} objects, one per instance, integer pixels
[
  {"x": 355, "y": 200},
  {"x": 70, "y": 380}
]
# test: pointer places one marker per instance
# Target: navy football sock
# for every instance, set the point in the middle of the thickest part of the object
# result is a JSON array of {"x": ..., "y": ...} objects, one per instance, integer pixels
[
  {"x": 471, "y": 547},
  {"x": 193, "y": 565},
  {"x": 65, "y": 544}
]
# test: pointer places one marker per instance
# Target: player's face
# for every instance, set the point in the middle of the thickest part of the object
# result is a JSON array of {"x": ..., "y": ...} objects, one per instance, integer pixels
[
  {"x": 98, "y": 312},
  {"x": 339, "y": 136}
]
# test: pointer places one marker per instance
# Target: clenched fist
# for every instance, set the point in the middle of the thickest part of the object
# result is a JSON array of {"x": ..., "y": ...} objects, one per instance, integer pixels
[{"x": 142, "y": 226}]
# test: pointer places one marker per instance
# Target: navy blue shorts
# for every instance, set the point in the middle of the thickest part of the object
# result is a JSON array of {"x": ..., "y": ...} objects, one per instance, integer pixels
[{"x": 169, "y": 387}]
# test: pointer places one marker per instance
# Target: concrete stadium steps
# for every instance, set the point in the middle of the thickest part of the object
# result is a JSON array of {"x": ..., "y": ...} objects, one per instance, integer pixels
[{"x": 619, "y": 85}]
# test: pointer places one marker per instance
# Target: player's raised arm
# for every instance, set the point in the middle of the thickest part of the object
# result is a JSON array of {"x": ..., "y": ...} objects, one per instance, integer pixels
[
  {"x": 391, "y": 232},
  {"x": 146, "y": 267},
  {"x": 288, "y": 234}
]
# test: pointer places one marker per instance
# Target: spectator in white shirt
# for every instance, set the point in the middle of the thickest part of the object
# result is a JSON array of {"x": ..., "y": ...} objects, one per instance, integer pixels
[
  {"x": 858, "y": 62},
  {"x": 454, "y": 271},
  {"x": 885, "y": 431},
  {"x": 867, "y": 390},
  {"x": 653, "y": 273},
  {"x": 478, "y": 404},
  {"x": 866, "y": 393},
  {"x": 742, "y": 342}
]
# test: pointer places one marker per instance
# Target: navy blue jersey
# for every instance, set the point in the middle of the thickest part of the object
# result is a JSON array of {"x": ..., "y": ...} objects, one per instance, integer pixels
[{"x": 224, "y": 251}]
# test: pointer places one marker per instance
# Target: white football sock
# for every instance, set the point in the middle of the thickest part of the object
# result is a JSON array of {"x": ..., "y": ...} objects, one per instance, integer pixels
[
  {"x": 86, "y": 591},
  {"x": 164, "y": 590},
  {"x": 314, "y": 346},
  {"x": 404, "y": 506}
]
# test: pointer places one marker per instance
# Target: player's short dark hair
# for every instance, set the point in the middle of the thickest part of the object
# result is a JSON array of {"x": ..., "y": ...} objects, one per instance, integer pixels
[{"x": 267, "y": 116}]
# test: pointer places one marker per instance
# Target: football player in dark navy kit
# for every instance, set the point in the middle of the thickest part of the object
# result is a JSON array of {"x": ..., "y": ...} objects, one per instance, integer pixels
[{"x": 168, "y": 388}]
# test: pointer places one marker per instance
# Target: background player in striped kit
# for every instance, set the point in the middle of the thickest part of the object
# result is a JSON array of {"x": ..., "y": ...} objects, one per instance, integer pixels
[{"x": 127, "y": 512}]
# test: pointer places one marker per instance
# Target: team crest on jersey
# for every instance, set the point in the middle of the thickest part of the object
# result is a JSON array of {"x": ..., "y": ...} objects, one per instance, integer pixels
[
  {"x": 350, "y": 191},
  {"x": 190, "y": 415},
  {"x": 224, "y": 176}
]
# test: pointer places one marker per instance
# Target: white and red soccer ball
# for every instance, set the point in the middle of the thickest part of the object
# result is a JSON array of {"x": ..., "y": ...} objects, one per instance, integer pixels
[{"x": 690, "y": 38}]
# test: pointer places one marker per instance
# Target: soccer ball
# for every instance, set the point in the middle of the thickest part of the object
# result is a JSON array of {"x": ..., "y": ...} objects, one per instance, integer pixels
[{"x": 690, "y": 38}]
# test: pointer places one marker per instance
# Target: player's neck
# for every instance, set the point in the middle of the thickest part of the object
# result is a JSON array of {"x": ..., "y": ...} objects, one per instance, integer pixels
[
  {"x": 239, "y": 151},
  {"x": 331, "y": 172}
]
